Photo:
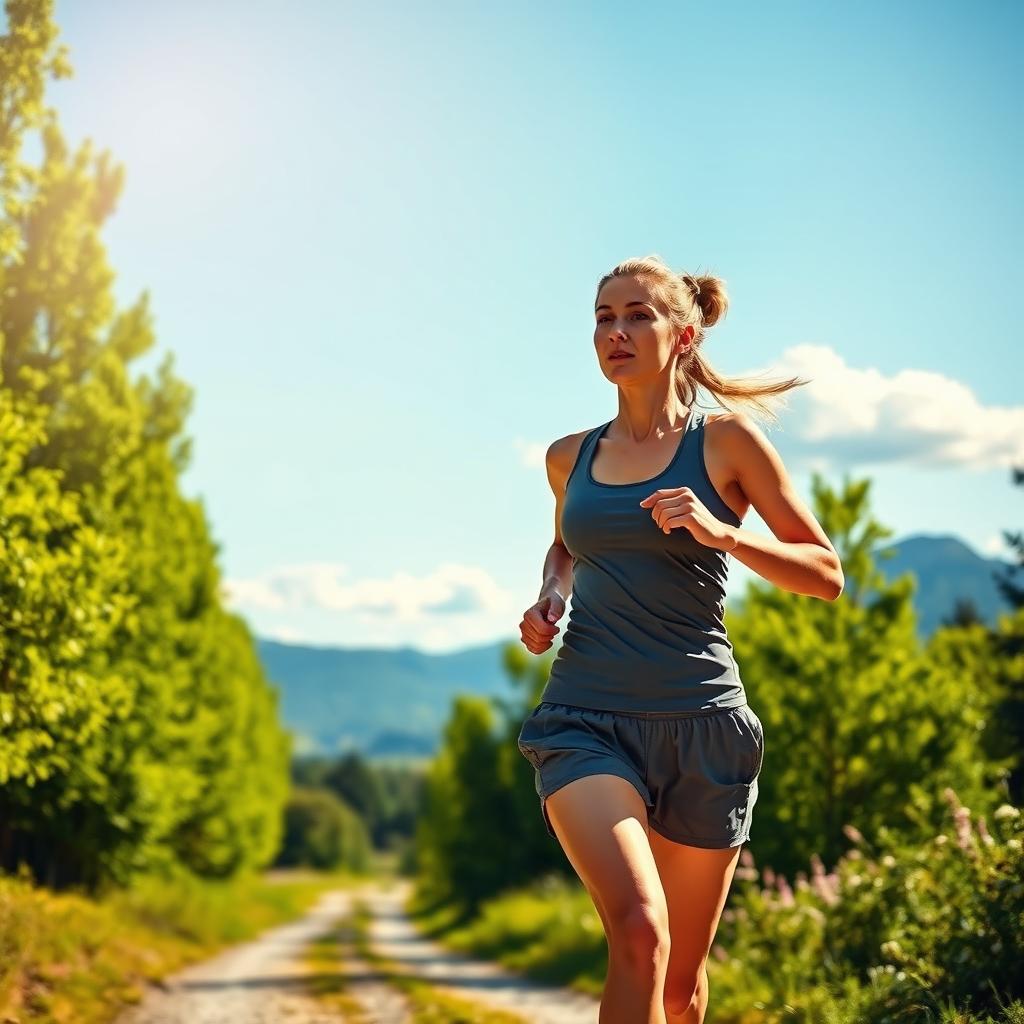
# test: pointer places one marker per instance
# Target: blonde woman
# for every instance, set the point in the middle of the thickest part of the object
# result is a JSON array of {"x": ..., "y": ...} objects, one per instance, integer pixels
[{"x": 646, "y": 752}]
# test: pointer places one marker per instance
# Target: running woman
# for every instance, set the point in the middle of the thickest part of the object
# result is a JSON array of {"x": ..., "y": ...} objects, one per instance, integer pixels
[{"x": 646, "y": 752}]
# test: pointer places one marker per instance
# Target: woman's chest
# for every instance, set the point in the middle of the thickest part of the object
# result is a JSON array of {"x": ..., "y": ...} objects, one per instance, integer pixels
[{"x": 603, "y": 521}]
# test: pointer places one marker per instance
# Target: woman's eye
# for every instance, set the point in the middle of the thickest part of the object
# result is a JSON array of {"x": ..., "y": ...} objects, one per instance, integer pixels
[{"x": 601, "y": 319}]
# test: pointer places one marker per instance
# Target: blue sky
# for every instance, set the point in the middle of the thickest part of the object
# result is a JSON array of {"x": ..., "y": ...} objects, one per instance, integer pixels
[{"x": 371, "y": 234}]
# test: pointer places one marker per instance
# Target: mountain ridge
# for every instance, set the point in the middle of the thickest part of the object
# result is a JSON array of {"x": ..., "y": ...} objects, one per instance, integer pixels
[{"x": 394, "y": 702}]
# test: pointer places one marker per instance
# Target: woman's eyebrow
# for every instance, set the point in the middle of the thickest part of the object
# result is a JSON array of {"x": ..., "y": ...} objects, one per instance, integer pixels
[{"x": 628, "y": 304}]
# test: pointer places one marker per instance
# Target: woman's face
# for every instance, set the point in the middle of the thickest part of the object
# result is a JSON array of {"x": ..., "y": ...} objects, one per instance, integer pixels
[{"x": 630, "y": 319}]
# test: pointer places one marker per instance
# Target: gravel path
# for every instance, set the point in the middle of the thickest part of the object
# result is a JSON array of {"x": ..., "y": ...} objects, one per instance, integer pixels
[
  {"x": 263, "y": 981},
  {"x": 393, "y": 935}
]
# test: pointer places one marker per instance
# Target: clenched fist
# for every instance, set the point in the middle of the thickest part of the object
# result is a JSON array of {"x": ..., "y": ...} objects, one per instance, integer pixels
[{"x": 537, "y": 627}]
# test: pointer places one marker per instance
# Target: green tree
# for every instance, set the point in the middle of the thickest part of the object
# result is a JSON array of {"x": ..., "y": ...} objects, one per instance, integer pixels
[
  {"x": 322, "y": 831},
  {"x": 1006, "y": 579},
  {"x": 467, "y": 828},
  {"x": 1005, "y": 662},
  {"x": 356, "y": 782},
  {"x": 137, "y": 728},
  {"x": 861, "y": 725},
  {"x": 62, "y": 600}
]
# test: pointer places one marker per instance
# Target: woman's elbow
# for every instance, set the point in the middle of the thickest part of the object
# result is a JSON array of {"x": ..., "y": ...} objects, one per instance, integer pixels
[{"x": 836, "y": 582}]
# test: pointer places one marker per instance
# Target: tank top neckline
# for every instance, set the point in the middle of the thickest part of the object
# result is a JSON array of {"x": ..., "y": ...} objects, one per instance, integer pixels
[{"x": 688, "y": 429}]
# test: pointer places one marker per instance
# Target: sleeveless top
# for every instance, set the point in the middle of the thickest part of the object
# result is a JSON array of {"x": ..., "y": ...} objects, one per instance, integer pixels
[{"x": 645, "y": 631}]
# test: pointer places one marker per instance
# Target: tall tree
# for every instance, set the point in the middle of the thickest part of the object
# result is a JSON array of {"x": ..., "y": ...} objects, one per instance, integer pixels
[
  {"x": 1006, "y": 579},
  {"x": 136, "y": 725},
  {"x": 861, "y": 727},
  {"x": 463, "y": 835},
  {"x": 1004, "y": 663}
]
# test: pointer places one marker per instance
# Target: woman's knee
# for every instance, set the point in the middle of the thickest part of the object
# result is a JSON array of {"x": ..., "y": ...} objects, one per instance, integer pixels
[
  {"x": 639, "y": 932},
  {"x": 684, "y": 988}
]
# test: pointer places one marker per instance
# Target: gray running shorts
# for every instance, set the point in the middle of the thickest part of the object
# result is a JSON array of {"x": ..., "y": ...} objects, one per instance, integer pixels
[{"x": 696, "y": 771}]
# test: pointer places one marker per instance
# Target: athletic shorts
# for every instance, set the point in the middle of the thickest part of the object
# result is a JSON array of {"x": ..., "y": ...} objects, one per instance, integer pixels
[{"x": 696, "y": 771}]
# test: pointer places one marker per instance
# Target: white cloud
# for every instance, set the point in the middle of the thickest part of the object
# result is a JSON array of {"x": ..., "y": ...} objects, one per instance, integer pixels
[
  {"x": 285, "y": 634},
  {"x": 531, "y": 453},
  {"x": 450, "y": 591},
  {"x": 852, "y": 416}
]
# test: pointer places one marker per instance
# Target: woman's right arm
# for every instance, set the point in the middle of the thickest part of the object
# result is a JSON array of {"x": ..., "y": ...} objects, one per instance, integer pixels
[
  {"x": 537, "y": 626},
  {"x": 557, "y": 573}
]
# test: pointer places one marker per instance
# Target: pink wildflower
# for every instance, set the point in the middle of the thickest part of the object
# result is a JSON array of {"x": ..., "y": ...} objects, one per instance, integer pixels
[
  {"x": 853, "y": 834},
  {"x": 983, "y": 831},
  {"x": 826, "y": 889},
  {"x": 962, "y": 821},
  {"x": 785, "y": 892}
]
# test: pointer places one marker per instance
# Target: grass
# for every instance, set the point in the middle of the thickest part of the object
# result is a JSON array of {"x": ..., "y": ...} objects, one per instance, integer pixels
[
  {"x": 66, "y": 958},
  {"x": 325, "y": 983},
  {"x": 548, "y": 930}
]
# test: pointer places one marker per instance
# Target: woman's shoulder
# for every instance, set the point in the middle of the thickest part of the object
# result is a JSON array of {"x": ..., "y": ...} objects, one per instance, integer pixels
[{"x": 562, "y": 454}]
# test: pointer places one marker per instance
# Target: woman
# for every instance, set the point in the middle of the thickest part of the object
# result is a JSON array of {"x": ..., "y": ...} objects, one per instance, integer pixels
[{"x": 645, "y": 748}]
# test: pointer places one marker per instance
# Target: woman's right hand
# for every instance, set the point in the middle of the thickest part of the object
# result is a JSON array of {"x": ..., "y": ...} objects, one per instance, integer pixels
[{"x": 537, "y": 627}]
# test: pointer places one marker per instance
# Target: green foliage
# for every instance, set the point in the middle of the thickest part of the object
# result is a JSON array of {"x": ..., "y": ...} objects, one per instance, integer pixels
[
  {"x": 355, "y": 782},
  {"x": 897, "y": 930},
  {"x": 857, "y": 715},
  {"x": 480, "y": 828},
  {"x": 62, "y": 601},
  {"x": 1008, "y": 581},
  {"x": 471, "y": 825},
  {"x": 322, "y": 831},
  {"x": 386, "y": 796},
  {"x": 1004, "y": 665},
  {"x": 137, "y": 729},
  {"x": 868, "y": 726},
  {"x": 548, "y": 929}
]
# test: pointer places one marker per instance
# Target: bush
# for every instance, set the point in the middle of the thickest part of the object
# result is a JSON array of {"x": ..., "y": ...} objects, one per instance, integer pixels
[
  {"x": 322, "y": 831},
  {"x": 896, "y": 932}
]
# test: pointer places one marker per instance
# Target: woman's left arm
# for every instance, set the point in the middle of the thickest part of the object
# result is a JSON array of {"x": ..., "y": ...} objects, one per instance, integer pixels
[{"x": 800, "y": 558}]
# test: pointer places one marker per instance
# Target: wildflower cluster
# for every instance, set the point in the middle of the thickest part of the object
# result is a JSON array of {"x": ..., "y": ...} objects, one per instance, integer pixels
[{"x": 893, "y": 928}]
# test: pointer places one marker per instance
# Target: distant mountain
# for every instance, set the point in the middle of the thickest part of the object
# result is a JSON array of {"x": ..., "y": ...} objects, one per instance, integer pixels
[
  {"x": 394, "y": 702},
  {"x": 384, "y": 702},
  {"x": 947, "y": 570}
]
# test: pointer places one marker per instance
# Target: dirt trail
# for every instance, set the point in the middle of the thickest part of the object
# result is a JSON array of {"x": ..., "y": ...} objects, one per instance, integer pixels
[
  {"x": 393, "y": 935},
  {"x": 264, "y": 981}
]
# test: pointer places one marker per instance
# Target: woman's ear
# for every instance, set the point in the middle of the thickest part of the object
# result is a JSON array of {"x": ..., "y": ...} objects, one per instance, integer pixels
[{"x": 685, "y": 339}]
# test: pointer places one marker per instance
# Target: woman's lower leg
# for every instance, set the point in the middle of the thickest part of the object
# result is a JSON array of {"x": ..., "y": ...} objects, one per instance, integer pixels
[{"x": 638, "y": 954}]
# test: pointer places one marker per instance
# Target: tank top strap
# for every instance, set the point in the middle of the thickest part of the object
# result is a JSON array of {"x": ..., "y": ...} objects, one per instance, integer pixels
[
  {"x": 585, "y": 453},
  {"x": 690, "y": 458}
]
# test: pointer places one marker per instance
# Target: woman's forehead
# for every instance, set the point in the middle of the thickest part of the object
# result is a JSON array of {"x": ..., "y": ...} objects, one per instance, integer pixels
[{"x": 624, "y": 290}]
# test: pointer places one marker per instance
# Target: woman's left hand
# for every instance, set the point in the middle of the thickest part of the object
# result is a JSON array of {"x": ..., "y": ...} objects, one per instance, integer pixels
[{"x": 674, "y": 507}]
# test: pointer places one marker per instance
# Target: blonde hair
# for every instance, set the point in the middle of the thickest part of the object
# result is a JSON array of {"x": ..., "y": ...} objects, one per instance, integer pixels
[{"x": 700, "y": 300}]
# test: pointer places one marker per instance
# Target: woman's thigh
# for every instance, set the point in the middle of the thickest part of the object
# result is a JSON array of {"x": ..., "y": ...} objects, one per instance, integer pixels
[
  {"x": 696, "y": 882},
  {"x": 601, "y": 823}
]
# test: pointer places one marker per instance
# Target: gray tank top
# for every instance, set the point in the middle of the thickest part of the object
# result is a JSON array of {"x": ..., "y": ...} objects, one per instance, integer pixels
[{"x": 645, "y": 630}]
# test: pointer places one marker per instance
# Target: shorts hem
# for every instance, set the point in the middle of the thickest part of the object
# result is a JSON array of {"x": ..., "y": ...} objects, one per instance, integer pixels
[
  {"x": 543, "y": 792},
  {"x": 703, "y": 844}
]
